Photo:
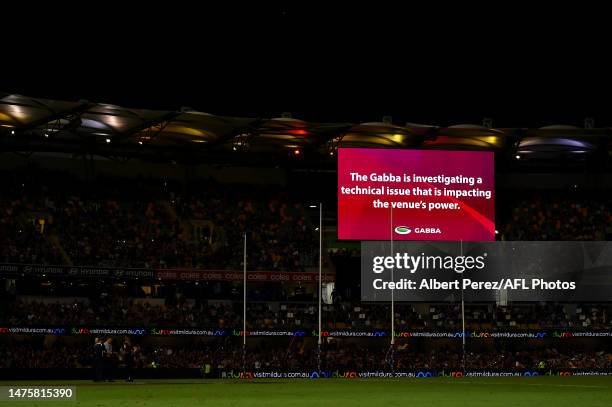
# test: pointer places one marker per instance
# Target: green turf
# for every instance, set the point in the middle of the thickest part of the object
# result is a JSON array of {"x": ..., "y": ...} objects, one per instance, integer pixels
[{"x": 490, "y": 392}]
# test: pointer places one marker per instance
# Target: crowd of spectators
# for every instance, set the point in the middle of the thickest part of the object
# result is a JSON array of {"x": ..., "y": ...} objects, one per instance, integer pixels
[
  {"x": 275, "y": 315},
  {"x": 59, "y": 219},
  {"x": 557, "y": 218}
]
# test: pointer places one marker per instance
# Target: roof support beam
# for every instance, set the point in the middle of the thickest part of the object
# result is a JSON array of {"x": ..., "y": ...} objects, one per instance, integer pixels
[
  {"x": 161, "y": 122},
  {"x": 252, "y": 127},
  {"x": 78, "y": 109}
]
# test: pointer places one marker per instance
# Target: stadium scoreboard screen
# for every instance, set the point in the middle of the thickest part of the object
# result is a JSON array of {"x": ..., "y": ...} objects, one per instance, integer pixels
[{"x": 415, "y": 195}]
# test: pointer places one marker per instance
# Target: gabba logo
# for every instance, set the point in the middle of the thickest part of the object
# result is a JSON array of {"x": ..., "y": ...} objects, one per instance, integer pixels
[{"x": 403, "y": 230}]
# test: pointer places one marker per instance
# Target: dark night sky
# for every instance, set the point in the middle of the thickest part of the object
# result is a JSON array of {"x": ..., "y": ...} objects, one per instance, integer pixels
[{"x": 520, "y": 66}]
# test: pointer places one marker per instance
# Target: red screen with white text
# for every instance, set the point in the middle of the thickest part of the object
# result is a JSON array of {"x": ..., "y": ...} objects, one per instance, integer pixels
[{"x": 415, "y": 195}]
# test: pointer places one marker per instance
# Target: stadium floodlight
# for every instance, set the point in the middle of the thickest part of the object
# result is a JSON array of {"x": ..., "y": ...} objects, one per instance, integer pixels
[
  {"x": 47, "y": 135},
  {"x": 108, "y": 140},
  {"x": 12, "y": 132},
  {"x": 518, "y": 156},
  {"x": 312, "y": 206}
]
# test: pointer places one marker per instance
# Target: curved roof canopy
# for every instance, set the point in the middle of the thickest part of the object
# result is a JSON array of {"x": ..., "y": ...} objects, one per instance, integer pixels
[{"x": 43, "y": 124}]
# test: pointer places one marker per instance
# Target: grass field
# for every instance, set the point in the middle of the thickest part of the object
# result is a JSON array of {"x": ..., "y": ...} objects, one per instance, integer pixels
[{"x": 490, "y": 392}]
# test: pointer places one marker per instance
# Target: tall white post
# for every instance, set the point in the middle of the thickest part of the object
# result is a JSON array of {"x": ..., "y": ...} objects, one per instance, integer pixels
[
  {"x": 244, "y": 302},
  {"x": 391, "y": 352},
  {"x": 462, "y": 319},
  {"x": 320, "y": 265},
  {"x": 392, "y": 291},
  {"x": 319, "y": 342},
  {"x": 244, "y": 287}
]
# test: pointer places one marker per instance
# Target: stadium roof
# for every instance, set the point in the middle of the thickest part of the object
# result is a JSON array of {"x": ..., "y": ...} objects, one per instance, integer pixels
[{"x": 33, "y": 124}]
